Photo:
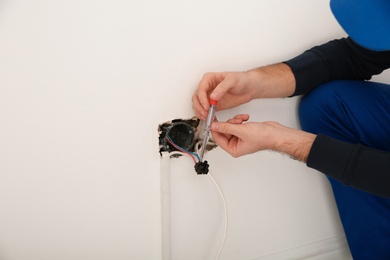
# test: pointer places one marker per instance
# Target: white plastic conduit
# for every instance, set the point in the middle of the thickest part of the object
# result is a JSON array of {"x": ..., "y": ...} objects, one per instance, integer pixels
[{"x": 165, "y": 172}]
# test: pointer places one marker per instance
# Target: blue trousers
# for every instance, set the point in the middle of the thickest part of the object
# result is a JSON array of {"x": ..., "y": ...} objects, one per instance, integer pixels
[{"x": 355, "y": 112}]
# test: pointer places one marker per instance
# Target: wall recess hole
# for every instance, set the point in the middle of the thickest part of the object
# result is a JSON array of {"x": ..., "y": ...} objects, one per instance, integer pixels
[{"x": 185, "y": 133}]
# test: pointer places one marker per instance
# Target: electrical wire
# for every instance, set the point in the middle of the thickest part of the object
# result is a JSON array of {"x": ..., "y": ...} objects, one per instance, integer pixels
[
  {"x": 225, "y": 213},
  {"x": 198, "y": 144},
  {"x": 177, "y": 153},
  {"x": 183, "y": 151}
]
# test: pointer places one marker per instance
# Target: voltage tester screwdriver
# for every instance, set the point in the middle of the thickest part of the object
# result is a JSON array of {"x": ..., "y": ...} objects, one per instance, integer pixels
[
  {"x": 206, "y": 132},
  {"x": 202, "y": 167}
]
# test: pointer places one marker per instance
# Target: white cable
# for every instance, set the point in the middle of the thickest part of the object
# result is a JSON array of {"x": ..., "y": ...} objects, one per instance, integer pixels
[
  {"x": 222, "y": 197},
  {"x": 225, "y": 213},
  {"x": 177, "y": 153},
  {"x": 220, "y": 193},
  {"x": 198, "y": 144}
]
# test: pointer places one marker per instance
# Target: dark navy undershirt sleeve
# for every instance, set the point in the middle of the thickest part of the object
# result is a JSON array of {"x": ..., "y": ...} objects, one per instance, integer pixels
[
  {"x": 337, "y": 59},
  {"x": 354, "y": 165}
]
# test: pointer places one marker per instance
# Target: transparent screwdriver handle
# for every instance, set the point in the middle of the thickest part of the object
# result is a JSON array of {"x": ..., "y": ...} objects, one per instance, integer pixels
[{"x": 209, "y": 121}]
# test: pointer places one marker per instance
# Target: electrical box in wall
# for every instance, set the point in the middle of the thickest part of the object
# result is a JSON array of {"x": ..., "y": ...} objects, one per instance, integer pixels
[
  {"x": 184, "y": 136},
  {"x": 185, "y": 133},
  {"x": 181, "y": 132}
]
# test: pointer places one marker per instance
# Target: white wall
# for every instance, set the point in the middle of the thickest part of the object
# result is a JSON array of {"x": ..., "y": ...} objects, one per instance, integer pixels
[{"x": 83, "y": 87}]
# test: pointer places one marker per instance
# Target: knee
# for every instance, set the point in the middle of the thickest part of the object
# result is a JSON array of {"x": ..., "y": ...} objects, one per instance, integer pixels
[{"x": 316, "y": 108}]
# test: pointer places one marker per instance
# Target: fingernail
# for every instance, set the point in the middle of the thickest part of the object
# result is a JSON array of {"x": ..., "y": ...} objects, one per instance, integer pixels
[
  {"x": 214, "y": 95},
  {"x": 214, "y": 126}
]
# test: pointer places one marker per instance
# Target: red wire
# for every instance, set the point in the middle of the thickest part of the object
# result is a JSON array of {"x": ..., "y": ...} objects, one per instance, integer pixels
[{"x": 181, "y": 150}]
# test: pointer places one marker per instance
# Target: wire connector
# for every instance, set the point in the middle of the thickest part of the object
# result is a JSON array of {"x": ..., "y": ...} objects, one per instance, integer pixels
[{"x": 201, "y": 167}]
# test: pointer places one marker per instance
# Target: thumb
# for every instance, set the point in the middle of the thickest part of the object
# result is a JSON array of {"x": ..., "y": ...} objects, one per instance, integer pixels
[
  {"x": 221, "y": 89},
  {"x": 227, "y": 128}
]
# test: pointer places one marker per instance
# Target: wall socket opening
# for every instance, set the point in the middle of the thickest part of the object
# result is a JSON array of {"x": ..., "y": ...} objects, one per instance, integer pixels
[{"x": 186, "y": 133}]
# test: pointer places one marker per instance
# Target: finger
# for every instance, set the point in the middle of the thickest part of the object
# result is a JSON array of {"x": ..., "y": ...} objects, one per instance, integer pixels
[
  {"x": 219, "y": 136},
  {"x": 239, "y": 119},
  {"x": 199, "y": 111},
  {"x": 227, "y": 143},
  {"x": 243, "y": 117},
  {"x": 221, "y": 140},
  {"x": 203, "y": 100},
  {"x": 204, "y": 88},
  {"x": 223, "y": 87},
  {"x": 227, "y": 128},
  {"x": 235, "y": 121}
]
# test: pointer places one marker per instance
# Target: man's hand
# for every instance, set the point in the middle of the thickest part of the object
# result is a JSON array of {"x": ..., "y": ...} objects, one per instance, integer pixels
[
  {"x": 232, "y": 89},
  {"x": 238, "y": 137}
]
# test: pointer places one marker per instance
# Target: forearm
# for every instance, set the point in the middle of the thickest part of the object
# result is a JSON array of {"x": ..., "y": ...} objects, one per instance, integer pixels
[
  {"x": 239, "y": 138},
  {"x": 296, "y": 143},
  {"x": 273, "y": 81}
]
